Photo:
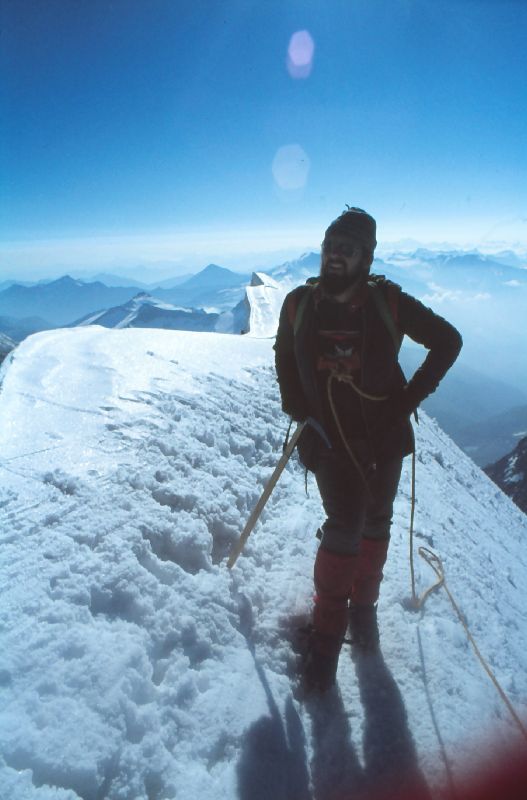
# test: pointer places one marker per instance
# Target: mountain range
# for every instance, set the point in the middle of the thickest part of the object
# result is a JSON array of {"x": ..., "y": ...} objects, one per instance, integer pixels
[
  {"x": 214, "y": 289},
  {"x": 450, "y": 278},
  {"x": 510, "y": 474},
  {"x": 144, "y": 311},
  {"x": 488, "y": 439},
  {"x": 257, "y": 313},
  {"x": 482, "y": 400},
  {"x": 64, "y": 301}
]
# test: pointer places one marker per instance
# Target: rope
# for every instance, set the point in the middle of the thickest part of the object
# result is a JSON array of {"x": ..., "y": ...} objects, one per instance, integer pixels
[
  {"x": 435, "y": 562},
  {"x": 415, "y": 602},
  {"x": 346, "y": 378}
]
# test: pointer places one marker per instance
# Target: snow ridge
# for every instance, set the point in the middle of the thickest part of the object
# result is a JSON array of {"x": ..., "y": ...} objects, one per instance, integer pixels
[{"x": 135, "y": 665}]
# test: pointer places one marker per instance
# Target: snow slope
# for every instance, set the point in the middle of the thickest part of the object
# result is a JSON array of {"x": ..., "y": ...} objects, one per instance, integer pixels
[{"x": 135, "y": 665}]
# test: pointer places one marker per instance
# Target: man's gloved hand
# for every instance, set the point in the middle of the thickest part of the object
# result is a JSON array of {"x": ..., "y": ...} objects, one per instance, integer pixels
[
  {"x": 398, "y": 407},
  {"x": 298, "y": 414}
]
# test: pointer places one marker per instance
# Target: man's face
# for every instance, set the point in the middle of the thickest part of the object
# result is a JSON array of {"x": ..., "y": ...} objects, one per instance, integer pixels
[{"x": 341, "y": 263}]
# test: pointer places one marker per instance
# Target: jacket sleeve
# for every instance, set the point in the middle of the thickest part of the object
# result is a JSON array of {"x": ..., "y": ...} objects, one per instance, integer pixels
[
  {"x": 293, "y": 399},
  {"x": 436, "y": 334}
]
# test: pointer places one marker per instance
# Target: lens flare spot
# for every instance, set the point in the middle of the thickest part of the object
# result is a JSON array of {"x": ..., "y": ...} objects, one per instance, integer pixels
[
  {"x": 291, "y": 167},
  {"x": 300, "y": 54}
]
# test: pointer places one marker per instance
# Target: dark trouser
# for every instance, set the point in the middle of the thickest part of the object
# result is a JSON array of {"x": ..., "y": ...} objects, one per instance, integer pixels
[
  {"x": 351, "y": 514},
  {"x": 355, "y": 537}
]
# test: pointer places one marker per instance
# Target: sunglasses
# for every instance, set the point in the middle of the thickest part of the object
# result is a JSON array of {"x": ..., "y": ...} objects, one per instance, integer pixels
[{"x": 340, "y": 248}]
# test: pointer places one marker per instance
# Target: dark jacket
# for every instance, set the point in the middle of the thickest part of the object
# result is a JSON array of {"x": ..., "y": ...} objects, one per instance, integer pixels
[{"x": 381, "y": 374}]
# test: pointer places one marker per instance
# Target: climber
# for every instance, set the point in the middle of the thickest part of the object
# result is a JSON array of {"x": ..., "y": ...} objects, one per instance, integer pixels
[{"x": 336, "y": 356}]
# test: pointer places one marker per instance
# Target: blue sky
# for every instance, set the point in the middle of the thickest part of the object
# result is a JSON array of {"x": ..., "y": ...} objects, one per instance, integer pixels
[{"x": 156, "y": 130}]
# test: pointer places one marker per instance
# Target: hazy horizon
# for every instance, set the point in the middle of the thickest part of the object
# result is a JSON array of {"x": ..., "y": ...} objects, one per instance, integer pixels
[{"x": 18, "y": 266}]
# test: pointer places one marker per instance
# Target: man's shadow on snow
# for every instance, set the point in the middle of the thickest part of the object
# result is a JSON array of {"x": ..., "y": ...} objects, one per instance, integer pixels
[
  {"x": 273, "y": 761},
  {"x": 336, "y": 772},
  {"x": 390, "y": 756},
  {"x": 390, "y": 760},
  {"x": 273, "y": 765}
]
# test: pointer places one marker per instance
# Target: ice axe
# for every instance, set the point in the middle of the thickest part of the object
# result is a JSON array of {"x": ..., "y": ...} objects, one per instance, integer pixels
[{"x": 271, "y": 483}]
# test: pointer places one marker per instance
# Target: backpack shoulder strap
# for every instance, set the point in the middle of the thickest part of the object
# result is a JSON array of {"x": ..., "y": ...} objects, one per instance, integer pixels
[
  {"x": 296, "y": 305},
  {"x": 393, "y": 302},
  {"x": 388, "y": 309}
]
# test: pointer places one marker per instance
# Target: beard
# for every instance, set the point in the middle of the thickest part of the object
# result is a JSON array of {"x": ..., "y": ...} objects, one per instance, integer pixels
[{"x": 334, "y": 283}]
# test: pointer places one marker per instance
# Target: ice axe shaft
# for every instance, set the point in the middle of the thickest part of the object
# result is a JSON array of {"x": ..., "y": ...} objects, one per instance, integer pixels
[{"x": 271, "y": 483}]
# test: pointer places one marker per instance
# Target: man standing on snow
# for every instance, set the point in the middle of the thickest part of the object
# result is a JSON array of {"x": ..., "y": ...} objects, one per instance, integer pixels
[{"x": 337, "y": 367}]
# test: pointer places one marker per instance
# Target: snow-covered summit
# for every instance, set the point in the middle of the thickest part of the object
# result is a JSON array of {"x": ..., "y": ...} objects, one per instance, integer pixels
[
  {"x": 135, "y": 665},
  {"x": 262, "y": 279},
  {"x": 145, "y": 311},
  {"x": 264, "y": 297},
  {"x": 257, "y": 313}
]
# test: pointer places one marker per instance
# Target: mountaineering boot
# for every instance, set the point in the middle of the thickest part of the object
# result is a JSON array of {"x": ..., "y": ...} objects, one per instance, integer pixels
[
  {"x": 334, "y": 574},
  {"x": 363, "y": 628},
  {"x": 321, "y": 661},
  {"x": 368, "y": 575}
]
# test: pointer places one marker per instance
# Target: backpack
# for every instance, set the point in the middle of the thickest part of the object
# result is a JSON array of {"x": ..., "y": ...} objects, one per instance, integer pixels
[{"x": 387, "y": 306}]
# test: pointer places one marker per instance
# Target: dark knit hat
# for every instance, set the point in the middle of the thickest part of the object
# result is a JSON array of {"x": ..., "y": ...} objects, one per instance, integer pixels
[{"x": 357, "y": 224}]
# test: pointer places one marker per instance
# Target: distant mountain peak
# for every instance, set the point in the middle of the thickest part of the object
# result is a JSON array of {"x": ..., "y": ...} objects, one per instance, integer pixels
[
  {"x": 213, "y": 268},
  {"x": 510, "y": 474},
  {"x": 67, "y": 280}
]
